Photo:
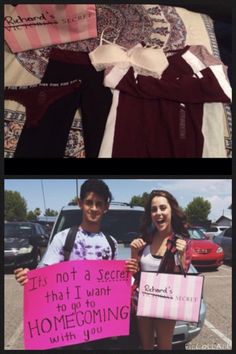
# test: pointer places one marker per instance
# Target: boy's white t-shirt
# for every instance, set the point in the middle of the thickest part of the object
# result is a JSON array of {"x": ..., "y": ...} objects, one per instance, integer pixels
[{"x": 87, "y": 246}]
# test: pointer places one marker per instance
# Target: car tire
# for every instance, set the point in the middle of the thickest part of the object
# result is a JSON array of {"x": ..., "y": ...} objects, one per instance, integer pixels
[{"x": 180, "y": 346}]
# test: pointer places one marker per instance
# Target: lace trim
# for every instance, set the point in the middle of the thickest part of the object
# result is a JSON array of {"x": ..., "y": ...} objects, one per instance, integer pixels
[
  {"x": 146, "y": 72},
  {"x": 122, "y": 65}
]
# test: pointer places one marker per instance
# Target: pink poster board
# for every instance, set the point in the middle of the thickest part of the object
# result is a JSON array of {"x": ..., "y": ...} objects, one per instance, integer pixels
[{"x": 76, "y": 302}]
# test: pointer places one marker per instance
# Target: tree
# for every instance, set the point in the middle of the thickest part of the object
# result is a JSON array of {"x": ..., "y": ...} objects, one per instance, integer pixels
[
  {"x": 50, "y": 212},
  {"x": 37, "y": 212},
  {"x": 139, "y": 200},
  {"x": 15, "y": 206},
  {"x": 197, "y": 211},
  {"x": 31, "y": 216},
  {"x": 74, "y": 201}
]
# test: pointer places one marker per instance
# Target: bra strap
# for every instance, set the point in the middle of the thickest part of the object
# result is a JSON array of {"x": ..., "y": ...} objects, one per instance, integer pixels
[
  {"x": 153, "y": 46},
  {"x": 105, "y": 40}
]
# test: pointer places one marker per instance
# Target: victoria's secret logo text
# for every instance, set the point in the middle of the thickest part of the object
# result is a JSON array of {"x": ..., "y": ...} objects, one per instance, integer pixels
[
  {"x": 166, "y": 292},
  {"x": 19, "y": 22}
]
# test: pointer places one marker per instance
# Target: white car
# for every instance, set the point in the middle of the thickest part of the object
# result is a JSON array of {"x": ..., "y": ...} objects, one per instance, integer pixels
[
  {"x": 213, "y": 231},
  {"x": 224, "y": 239}
]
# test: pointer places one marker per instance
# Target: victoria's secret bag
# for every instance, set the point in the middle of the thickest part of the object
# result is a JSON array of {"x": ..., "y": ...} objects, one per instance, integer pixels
[
  {"x": 34, "y": 26},
  {"x": 170, "y": 296}
]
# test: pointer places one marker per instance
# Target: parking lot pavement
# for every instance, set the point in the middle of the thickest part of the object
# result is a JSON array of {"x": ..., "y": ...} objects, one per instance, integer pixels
[
  {"x": 13, "y": 305},
  {"x": 217, "y": 330},
  {"x": 215, "y": 335}
]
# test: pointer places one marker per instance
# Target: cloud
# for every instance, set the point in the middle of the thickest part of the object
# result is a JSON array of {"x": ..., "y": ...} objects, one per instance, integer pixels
[
  {"x": 222, "y": 186},
  {"x": 219, "y": 205},
  {"x": 217, "y": 191}
]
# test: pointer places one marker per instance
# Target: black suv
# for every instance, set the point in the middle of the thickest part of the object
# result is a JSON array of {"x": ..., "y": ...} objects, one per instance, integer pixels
[{"x": 22, "y": 244}]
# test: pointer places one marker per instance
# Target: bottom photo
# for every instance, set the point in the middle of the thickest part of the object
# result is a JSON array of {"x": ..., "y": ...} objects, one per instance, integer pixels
[{"x": 117, "y": 263}]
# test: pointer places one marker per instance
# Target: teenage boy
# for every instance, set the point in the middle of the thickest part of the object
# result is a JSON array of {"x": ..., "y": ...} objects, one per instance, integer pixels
[{"x": 90, "y": 242}]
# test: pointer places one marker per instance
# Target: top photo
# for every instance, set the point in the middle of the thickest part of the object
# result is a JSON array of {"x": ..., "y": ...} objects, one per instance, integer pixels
[{"x": 117, "y": 81}]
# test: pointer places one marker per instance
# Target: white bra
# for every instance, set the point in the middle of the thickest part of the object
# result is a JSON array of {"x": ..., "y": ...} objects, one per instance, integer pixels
[{"x": 145, "y": 59}]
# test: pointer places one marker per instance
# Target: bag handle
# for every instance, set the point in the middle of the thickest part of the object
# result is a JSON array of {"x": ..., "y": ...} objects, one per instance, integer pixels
[
  {"x": 170, "y": 252},
  {"x": 181, "y": 265},
  {"x": 178, "y": 256}
]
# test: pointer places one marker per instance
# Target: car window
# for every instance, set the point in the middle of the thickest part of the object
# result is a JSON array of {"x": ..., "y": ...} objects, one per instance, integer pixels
[
  {"x": 212, "y": 229},
  {"x": 37, "y": 230},
  {"x": 67, "y": 218},
  {"x": 40, "y": 230},
  {"x": 43, "y": 228},
  {"x": 123, "y": 225},
  {"x": 196, "y": 234},
  {"x": 17, "y": 230},
  {"x": 228, "y": 233},
  {"x": 202, "y": 229}
]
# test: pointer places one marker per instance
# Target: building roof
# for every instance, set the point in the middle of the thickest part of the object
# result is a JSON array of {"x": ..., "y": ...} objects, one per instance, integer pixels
[{"x": 223, "y": 217}]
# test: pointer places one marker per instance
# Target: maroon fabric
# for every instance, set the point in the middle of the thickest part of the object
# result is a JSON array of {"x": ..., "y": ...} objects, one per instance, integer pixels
[
  {"x": 69, "y": 56},
  {"x": 151, "y": 128},
  {"x": 163, "y": 118},
  {"x": 50, "y": 110},
  {"x": 167, "y": 264},
  {"x": 36, "y": 99}
]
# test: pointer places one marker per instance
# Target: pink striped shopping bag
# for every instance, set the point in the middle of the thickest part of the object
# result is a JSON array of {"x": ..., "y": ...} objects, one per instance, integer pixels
[
  {"x": 33, "y": 26},
  {"x": 170, "y": 296}
]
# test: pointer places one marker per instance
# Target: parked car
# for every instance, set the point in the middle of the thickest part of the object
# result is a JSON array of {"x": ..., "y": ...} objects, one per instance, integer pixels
[
  {"x": 122, "y": 222},
  {"x": 22, "y": 242},
  {"x": 201, "y": 228},
  {"x": 224, "y": 239},
  {"x": 213, "y": 231},
  {"x": 47, "y": 222},
  {"x": 205, "y": 253}
]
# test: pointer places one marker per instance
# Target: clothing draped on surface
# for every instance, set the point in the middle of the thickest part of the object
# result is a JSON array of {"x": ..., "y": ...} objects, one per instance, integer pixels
[
  {"x": 150, "y": 99},
  {"x": 169, "y": 117}
]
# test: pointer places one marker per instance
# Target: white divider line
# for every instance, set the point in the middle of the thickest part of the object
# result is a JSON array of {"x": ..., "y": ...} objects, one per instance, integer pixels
[
  {"x": 17, "y": 334},
  {"x": 218, "y": 333}
]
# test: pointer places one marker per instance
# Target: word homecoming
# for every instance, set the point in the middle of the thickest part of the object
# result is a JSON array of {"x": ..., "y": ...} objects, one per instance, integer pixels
[{"x": 77, "y": 319}]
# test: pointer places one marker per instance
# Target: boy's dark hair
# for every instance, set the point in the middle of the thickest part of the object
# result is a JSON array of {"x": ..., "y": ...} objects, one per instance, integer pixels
[{"x": 96, "y": 186}]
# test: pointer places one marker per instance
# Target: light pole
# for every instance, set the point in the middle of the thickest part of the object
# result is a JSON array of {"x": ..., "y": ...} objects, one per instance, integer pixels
[
  {"x": 43, "y": 196},
  {"x": 77, "y": 189}
]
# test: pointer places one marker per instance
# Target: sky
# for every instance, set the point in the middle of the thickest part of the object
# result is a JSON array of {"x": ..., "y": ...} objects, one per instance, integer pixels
[{"x": 58, "y": 192}]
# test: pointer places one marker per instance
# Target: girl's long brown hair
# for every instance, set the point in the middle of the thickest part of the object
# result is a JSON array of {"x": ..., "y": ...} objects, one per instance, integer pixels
[{"x": 178, "y": 221}]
